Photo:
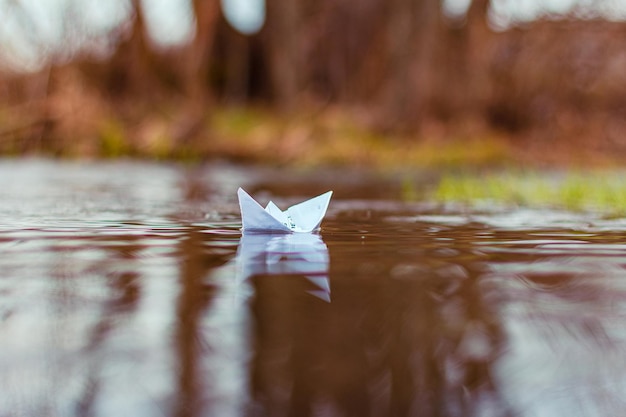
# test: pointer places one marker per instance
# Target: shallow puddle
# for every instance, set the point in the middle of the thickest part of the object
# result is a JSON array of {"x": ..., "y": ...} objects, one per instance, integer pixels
[{"x": 128, "y": 289}]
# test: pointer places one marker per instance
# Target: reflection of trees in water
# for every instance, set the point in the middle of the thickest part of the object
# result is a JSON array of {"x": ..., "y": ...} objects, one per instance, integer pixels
[
  {"x": 442, "y": 341},
  {"x": 125, "y": 293},
  {"x": 393, "y": 341},
  {"x": 405, "y": 334},
  {"x": 125, "y": 283},
  {"x": 196, "y": 261}
]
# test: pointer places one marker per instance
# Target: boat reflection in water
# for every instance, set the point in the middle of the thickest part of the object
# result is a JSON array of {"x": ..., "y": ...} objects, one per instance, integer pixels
[
  {"x": 289, "y": 318},
  {"x": 293, "y": 255}
]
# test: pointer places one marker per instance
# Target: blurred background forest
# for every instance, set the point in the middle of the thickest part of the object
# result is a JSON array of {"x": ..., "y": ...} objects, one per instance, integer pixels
[{"x": 323, "y": 81}]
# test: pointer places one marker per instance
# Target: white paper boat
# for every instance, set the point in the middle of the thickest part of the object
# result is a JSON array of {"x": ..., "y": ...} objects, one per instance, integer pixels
[
  {"x": 304, "y": 217},
  {"x": 303, "y": 254}
]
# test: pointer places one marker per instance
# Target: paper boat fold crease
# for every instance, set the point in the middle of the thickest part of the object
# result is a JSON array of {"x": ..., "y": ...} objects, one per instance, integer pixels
[{"x": 304, "y": 217}]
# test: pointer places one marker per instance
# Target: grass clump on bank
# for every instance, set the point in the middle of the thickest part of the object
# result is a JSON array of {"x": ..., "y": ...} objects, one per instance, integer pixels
[{"x": 580, "y": 191}]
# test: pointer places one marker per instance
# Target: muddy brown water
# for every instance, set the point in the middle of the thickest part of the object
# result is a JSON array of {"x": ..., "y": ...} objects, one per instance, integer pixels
[{"x": 127, "y": 289}]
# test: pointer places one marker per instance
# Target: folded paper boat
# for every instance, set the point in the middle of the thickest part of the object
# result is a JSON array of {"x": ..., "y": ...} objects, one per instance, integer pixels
[{"x": 304, "y": 217}]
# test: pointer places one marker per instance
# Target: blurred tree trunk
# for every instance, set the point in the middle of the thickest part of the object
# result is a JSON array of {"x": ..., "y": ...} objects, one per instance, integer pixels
[
  {"x": 283, "y": 46},
  {"x": 133, "y": 62},
  {"x": 196, "y": 73},
  {"x": 199, "y": 53},
  {"x": 429, "y": 43},
  {"x": 414, "y": 36},
  {"x": 237, "y": 64},
  {"x": 139, "y": 69},
  {"x": 478, "y": 55},
  {"x": 465, "y": 85}
]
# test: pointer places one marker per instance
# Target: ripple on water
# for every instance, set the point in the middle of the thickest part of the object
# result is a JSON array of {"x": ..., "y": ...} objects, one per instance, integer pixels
[{"x": 131, "y": 284}]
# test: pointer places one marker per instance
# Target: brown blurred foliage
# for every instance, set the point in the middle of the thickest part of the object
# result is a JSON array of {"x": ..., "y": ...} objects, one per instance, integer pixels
[{"x": 399, "y": 66}]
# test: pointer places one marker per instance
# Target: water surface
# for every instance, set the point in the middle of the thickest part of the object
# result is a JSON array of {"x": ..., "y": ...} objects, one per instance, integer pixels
[{"x": 127, "y": 289}]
